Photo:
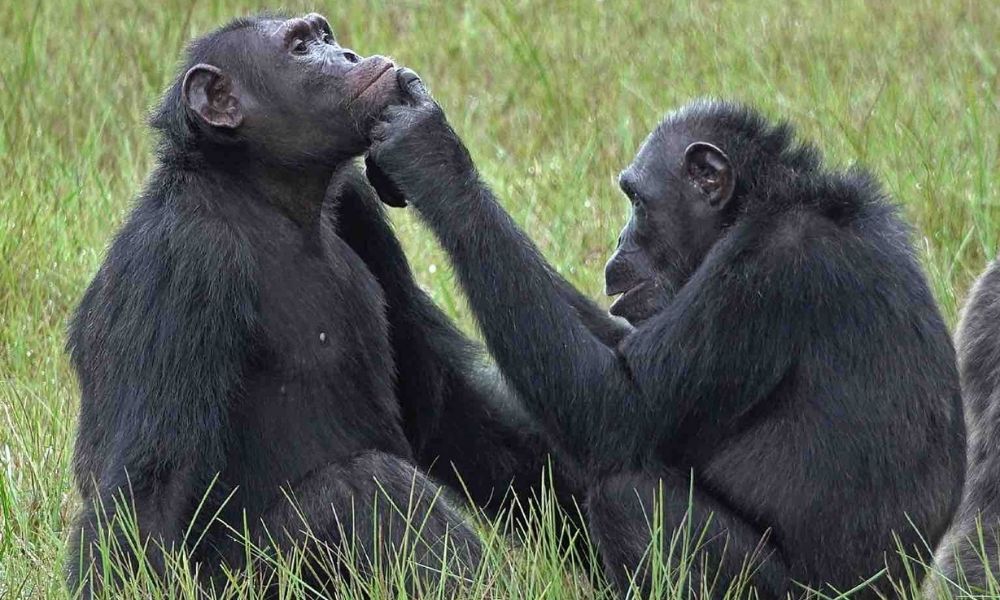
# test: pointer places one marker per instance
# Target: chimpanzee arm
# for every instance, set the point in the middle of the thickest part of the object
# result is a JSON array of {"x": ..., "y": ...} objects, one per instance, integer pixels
[
  {"x": 602, "y": 407},
  {"x": 559, "y": 367},
  {"x": 731, "y": 334},
  {"x": 610, "y": 330},
  {"x": 159, "y": 345},
  {"x": 466, "y": 427}
]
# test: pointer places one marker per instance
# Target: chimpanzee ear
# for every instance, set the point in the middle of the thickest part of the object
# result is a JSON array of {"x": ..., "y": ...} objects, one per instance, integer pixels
[
  {"x": 710, "y": 171},
  {"x": 210, "y": 94}
]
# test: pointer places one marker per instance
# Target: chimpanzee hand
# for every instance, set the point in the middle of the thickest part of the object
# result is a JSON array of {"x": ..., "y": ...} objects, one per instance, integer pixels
[{"x": 414, "y": 149}]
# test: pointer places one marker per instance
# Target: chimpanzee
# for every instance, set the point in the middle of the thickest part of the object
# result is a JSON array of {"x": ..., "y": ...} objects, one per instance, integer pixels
[
  {"x": 965, "y": 554},
  {"x": 249, "y": 351},
  {"x": 787, "y": 353}
]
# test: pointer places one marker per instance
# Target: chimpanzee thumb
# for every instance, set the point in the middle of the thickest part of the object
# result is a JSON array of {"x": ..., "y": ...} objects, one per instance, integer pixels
[{"x": 388, "y": 192}]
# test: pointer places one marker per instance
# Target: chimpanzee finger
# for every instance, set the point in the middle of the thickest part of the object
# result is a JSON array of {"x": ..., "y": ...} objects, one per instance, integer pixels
[
  {"x": 379, "y": 132},
  {"x": 412, "y": 86},
  {"x": 387, "y": 191}
]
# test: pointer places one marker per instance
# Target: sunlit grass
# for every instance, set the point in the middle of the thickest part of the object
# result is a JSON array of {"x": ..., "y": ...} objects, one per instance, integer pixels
[{"x": 552, "y": 98}]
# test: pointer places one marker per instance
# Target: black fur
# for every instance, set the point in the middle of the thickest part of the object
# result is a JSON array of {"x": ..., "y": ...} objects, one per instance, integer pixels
[
  {"x": 245, "y": 342},
  {"x": 964, "y": 556},
  {"x": 799, "y": 367}
]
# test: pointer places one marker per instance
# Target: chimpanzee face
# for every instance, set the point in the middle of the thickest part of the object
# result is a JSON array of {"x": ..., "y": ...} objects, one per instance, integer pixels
[
  {"x": 290, "y": 92},
  {"x": 678, "y": 187}
]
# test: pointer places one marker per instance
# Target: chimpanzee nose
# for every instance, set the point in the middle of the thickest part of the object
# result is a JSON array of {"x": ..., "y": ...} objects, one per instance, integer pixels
[{"x": 350, "y": 56}]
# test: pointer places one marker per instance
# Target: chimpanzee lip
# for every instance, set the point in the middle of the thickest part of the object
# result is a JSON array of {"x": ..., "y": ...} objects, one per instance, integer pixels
[
  {"x": 625, "y": 288},
  {"x": 624, "y": 295},
  {"x": 385, "y": 68}
]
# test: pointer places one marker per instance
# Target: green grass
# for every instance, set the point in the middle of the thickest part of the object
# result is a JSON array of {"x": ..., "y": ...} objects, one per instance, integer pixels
[{"x": 552, "y": 98}]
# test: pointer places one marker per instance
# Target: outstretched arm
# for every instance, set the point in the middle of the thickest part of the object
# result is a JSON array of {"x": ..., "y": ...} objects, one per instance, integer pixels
[
  {"x": 158, "y": 343},
  {"x": 536, "y": 333},
  {"x": 466, "y": 427},
  {"x": 610, "y": 330}
]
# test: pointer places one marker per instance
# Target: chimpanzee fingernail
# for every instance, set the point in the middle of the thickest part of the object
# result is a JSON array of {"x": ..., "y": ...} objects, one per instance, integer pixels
[{"x": 406, "y": 76}]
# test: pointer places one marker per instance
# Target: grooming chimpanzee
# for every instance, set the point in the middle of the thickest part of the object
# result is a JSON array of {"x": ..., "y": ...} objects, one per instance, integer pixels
[
  {"x": 964, "y": 556},
  {"x": 244, "y": 338},
  {"x": 787, "y": 351}
]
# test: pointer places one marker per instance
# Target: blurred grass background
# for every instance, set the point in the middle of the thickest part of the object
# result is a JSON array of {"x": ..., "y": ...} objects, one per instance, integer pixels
[{"x": 552, "y": 98}]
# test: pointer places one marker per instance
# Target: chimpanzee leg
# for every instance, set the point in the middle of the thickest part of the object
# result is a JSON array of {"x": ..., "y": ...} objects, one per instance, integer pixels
[
  {"x": 721, "y": 547},
  {"x": 369, "y": 514}
]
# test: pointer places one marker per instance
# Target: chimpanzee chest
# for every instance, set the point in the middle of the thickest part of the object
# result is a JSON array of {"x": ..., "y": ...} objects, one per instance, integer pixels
[
  {"x": 325, "y": 327},
  {"x": 322, "y": 386}
]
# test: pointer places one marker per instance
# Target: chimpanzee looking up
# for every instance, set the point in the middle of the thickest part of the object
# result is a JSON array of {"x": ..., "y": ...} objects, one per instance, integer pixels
[
  {"x": 961, "y": 558},
  {"x": 240, "y": 332},
  {"x": 787, "y": 350}
]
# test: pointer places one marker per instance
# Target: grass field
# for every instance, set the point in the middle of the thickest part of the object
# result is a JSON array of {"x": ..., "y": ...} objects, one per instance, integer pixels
[{"x": 552, "y": 98}]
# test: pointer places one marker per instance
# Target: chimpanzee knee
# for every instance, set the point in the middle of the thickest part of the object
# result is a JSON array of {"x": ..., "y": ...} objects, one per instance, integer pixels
[
  {"x": 638, "y": 519},
  {"x": 372, "y": 515}
]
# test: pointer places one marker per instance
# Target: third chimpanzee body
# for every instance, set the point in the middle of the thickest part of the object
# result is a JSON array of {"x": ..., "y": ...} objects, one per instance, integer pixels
[
  {"x": 973, "y": 543},
  {"x": 245, "y": 340},
  {"x": 787, "y": 352}
]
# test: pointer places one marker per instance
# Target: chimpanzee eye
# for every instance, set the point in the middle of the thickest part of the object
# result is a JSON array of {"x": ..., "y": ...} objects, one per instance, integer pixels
[
  {"x": 328, "y": 39},
  {"x": 299, "y": 46},
  {"x": 638, "y": 207}
]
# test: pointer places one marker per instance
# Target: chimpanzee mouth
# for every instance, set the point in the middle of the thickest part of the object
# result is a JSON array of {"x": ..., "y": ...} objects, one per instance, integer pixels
[
  {"x": 379, "y": 74},
  {"x": 626, "y": 296}
]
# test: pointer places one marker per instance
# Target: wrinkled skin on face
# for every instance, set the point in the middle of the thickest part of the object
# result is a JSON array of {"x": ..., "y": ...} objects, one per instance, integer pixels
[
  {"x": 679, "y": 188},
  {"x": 293, "y": 94}
]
